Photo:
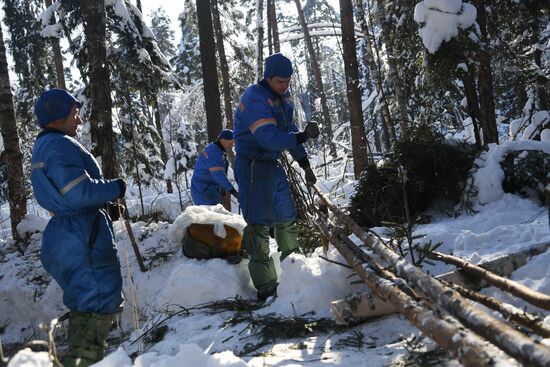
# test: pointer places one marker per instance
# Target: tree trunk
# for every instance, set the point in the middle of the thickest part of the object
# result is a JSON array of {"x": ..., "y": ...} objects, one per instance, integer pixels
[
  {"x": 486, "y": 95},
  {"x": 393, "y": 69},
  {"x": 272, "y": 18},
  {"x": 327, "y": 125},
  {"x": 541, "y": 81},
  {"x": 376, "y": 71},
  {"x": 259, "y": 40},
  {"x": 103, "y": 141},
  {"x": 209, "y": 70},
  {"x": 13, "y": 157},
  {"x": 358, "y": 138},
  {"x": 58, "y": 58},
  {"x": 472, "y": 103},
  {"x": 158, "y": 126},
  {"x": 224, "y": 67}
]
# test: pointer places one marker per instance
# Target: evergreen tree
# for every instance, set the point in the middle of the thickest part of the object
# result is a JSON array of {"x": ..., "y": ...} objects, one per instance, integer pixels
[{"x": 187, "y": 63}]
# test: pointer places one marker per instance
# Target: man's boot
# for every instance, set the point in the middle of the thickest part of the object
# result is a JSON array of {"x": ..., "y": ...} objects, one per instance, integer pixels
[{"x": 87, "y": 334}]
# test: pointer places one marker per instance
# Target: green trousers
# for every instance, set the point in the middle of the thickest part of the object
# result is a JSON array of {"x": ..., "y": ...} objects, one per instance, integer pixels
[
  {"x": 256, "y": 244},
  {"x": 87, "y": 334}
]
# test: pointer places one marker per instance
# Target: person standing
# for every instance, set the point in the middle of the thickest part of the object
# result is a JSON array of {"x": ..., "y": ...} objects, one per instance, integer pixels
[
  {"x": 78, "y": 248},
  {"x": 264, "y": 128},
  {"x": 209, "y": 182}
]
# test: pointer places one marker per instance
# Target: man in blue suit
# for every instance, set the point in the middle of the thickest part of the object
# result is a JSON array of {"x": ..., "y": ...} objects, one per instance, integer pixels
[
  {"x": 209, "y": 181},
  {"x": 78, "y": 247},
  {"x": 264, "y": 128}
]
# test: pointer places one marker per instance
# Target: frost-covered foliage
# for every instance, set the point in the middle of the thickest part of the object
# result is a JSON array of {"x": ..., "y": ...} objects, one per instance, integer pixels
[{"x": 187, "y": 62}]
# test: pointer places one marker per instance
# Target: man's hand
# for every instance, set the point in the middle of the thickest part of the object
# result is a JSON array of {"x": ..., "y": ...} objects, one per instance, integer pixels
[
  {"x": 311, "y": 179},
  {"x": 312, "y": 130},
  {"x": 122, "y": 185},
  {"x": 115, "y": 210}
]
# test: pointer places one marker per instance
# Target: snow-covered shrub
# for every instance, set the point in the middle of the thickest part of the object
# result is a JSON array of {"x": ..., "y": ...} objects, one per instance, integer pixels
[{"x": 526, "y": 172}]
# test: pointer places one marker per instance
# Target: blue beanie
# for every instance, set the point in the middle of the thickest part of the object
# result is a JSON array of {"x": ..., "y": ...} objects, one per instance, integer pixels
[
  {"x": 226, "y": 134},
  {"x": 54, "y": 104},
  {"x": 277, "y": 65}
]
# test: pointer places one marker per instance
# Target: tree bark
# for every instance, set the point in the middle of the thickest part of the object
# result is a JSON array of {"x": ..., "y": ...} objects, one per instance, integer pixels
[
  {"x": 327, "y": 125},
  {"x": 103, "y": 141},
  {"x": 13, "y": 157},
  {"x": 395, "y": 79},
  {"x": 376, "y": 71},
  {"x": 358, "y": 138},
  {"x": 272, "y": 18},
  {"x": 486, "y": 95},
  {"x": 259, "y": 40},
  {"x": 471, "y": 100},
  {"x": 57, "y": 56},
  {"x": 497, "y": 332},
  {"x": 209, "y": 71},
  {"x": 536, "y": 298},
  {"x": 224, "y": 67}
]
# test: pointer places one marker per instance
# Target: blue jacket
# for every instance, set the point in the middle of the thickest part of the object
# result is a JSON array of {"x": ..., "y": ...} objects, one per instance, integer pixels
[
  {"x": 209, "y": 175},
  {"x": 263, "y": 128},
  {"x": 264, "y": 125},
  {"x": 78, "y": 249}
]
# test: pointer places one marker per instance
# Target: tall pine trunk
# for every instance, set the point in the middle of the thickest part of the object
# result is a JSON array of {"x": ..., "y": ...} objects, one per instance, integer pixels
[
  {"x": 57, "y": 57},
  {"x": 272, "y": 19},
  {"x": 471, "y": 100},
  {"x": 486, "y": 95},
  {"x": 259, "y": 40},
  {"x": 12, "y": 156},
  {"x": 209, "y": 70},
  {"x": 358, "y": 138},
  {"x": 326, "y": 123},
  {"x": 375, "y": 67},
  {"x": 224, "y": 67},
  {"x": 103, "y": 140},
  {"x": 393, "y": 70}
]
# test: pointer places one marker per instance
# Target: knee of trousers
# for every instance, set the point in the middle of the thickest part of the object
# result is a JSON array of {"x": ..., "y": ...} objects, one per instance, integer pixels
[{"x": 256, "y": 242}]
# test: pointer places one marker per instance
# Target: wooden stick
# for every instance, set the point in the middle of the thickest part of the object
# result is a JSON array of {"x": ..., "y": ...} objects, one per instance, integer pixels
[
  {"x": 536, "y": 298},
  {"x": 497, "y": 332},
  {"x": 135, "y": 245}
]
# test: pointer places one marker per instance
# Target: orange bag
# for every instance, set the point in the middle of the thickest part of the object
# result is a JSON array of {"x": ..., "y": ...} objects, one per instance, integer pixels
[{"x": 204, "y": 233}]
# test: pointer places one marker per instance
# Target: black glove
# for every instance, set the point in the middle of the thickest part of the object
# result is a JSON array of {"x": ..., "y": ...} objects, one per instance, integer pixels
[
  {"x": 311, "y": 179},
  {"x": 122, "y": 185},
  {"x": 234, "y": 192},
  {"x": 312, "y": 130},
  {"x": 115, "y": 210}
]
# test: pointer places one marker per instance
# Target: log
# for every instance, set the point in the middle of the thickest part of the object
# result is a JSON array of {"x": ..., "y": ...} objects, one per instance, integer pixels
[
  {"x": 497, "y": 332},
  {"x": 447, "y": 332},
  {"x": 349, "y": 311},
  {"x": 519, "y": 290},
  {"x": 512, "y": 313}
]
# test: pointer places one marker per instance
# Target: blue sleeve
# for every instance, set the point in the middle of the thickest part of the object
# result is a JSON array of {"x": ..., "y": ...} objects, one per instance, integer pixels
[
  {"x": 259, "y": 119},
  {"x": 65, "y": 169},
  {"x": 216, "y": 166}
]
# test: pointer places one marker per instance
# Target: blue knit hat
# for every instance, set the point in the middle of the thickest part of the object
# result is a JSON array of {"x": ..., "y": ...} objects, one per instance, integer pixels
[
  {"x": 54, "y": 104},
  {"x": 277, "y": 65},
  {"x": 226, "y": 134}
]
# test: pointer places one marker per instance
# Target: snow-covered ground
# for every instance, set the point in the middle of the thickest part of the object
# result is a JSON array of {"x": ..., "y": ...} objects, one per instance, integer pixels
[{"x": 169, "y": 296}]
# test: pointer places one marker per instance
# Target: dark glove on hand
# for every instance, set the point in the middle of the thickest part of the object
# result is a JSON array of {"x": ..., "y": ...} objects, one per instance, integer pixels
[
  {"x": 115, "y": 210},
  {"x": 312, "y": 130},
  {"x": 122, "y": 185},
  {"x": 311, "y": 179},
  {"x": 235, "y": 193}
]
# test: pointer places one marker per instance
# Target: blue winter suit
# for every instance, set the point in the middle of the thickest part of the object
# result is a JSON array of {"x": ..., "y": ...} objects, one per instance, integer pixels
[
  {"x": 210, "y": 175},
  {"x": 77, "y": 247},
  {"x": 263, "y": 128}
]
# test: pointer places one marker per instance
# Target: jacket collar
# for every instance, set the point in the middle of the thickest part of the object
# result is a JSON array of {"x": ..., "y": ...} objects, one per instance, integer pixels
[{"x": 49, "y": 130}]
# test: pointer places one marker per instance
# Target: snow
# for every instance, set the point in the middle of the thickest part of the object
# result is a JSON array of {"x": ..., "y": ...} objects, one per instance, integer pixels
[
  {"x": 175, "y": 289},
  {"x": 441, "y": 20}
]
